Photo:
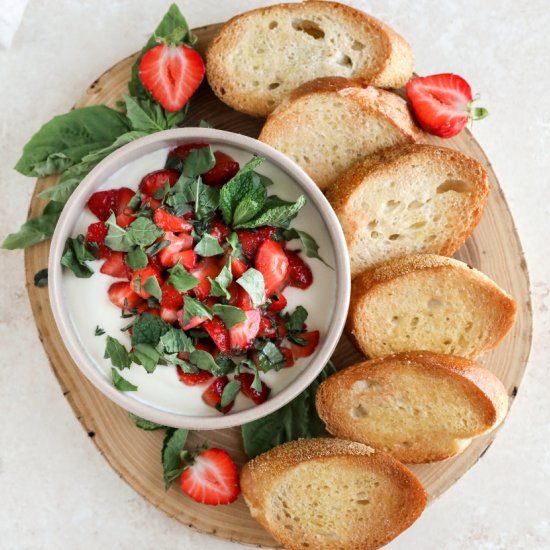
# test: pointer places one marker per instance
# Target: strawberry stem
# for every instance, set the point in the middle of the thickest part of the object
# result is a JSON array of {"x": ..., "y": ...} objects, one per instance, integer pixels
[{"x": 476, "y": 113}]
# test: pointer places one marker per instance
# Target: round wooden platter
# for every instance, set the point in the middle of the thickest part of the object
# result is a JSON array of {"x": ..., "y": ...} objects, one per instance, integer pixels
[{"x": 494, "y": 249}]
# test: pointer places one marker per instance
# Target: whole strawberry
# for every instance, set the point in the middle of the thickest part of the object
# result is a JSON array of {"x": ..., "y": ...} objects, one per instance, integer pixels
[{"x": 443, "y": 103}]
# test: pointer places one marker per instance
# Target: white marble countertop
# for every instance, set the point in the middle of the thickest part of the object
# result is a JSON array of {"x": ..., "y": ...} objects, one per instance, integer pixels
[{"x": 56, "y": 490}]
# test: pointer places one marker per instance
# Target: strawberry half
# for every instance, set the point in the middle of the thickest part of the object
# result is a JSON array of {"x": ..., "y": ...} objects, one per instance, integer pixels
[
  {"x": 443, "y": 103},
  {"x": 154, "y": 181},
  {"x": 212, "y": 396},
  {"x": 224, "y": 169},
  {"x": 300, "y": 275},
  {"x": 212, "y": 478},
  {"x": 246, "y": 379},
  {"x": 102, "y": 203},
  {"x": 171, "y": 74},
  {"x": 272, "y": 262},
  {"x": 241, "y": 335},
  {"x": 115, "y": 266}
]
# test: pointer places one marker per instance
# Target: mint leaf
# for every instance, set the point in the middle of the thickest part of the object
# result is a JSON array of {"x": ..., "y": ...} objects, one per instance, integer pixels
[
  {"x": 147, "y": 356},
  {"x": 175, "y": 340},
  {"x": 173, "y": 444},
  {"x": 295, "y": 420},
  {"x": 136, "y": 258},
  {"x": 144, "y": 424},
  {"x": 295, "y": 321},
  {"x": 276, "y": 216},
  {"x": 144, "y": 232},
  {"x": 181, "y": 279},
  {"x": 118, "y": 354},
  {"x": 219, "y": 285},
  {"x": 194, "y": 308},
  {"x": 148, "y": 329},
  {"x": 117, "y": 238},
  {"x": 311, "y": 248},
  {"x": 250, "y": 205},
  {"x": 151, "y": 285},
  {"x": 75, "y": 257},
  {"x": 66, "y": 139},
  {"x": 121, "y": 383},
  {"x": 230, "y": 392},
  {"x": 230, "y": 315},
  {"x": 36, "y": 229},
  {"x": 236, "y": 189},
  {"x": 253, "y": 282},
  {"x": 208, "y": 246}
]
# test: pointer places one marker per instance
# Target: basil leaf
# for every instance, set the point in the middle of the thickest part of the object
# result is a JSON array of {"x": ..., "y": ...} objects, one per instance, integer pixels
[
  {"x": 234, "y": 191},
  {"x": 144, "y": 115},
  {"x": 230, "y": 315},
  {"x": 136, "y": 258},
  {"x": 205, "y": 124},
  {"x": 207, "y": 200},
  {"x": 230, "y": 392},
  {"x": 144, "y": 232},
  {"x": 219, "y": 285},
  {"x": 148, "y": 329},
  {"x": 194, "y": 308},
  {"x": 98, "y": 331},
  {"x": 208, "y": 246},
  {"x": 251, "y": 204},
  {"x": 198, "y": 161},
  {"x": 298, "y": 341},
  {"x": 295, "y": 420},
  {"x": 155, "y": 248},
  {"x": 137, "y": 284},
  {"x": 295, "y": 321},
  {"x": 118, "y": 354},
  {"x": 175, "y": 340},
  {"x": 151, "y": 285},
  {"x": 257, "y": 382},
  {"x": 270, "y": 358},
  {"x": 172, "y": 446},
  {"x": 144, "y": 424},
  {"x": 117, "y": 238},
  {"x": 311, "y": 248},
  {"x": 203, "y": 360},
  {"x": 96, "y": 156},
  {"x": 181, "y": 279},
  {"x": 276, "y": 216},
  {"x": 121, "y": 383},
  {"x": 179, "y": 202},
  {"x": 68, "y": 182},
  {"x": 253, "y": 282},
  {"x": 75, "y": 257},
  {"x": 147, "y": 356},
  {"x": 36, "y": 229},
  {"x": 236, "y": 248},
  {"x": 66, "y": 139}
]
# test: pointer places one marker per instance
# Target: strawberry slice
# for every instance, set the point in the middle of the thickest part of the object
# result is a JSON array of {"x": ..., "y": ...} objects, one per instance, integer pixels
[
  {"x": 224, "y": 169},
  {"x": 152, "y": 182},
  {"x": 241, "y": 335},
  {"x": 195, "y": 321},
  {"x": 171, "y": 298},
  {"x": 213, "y": 394},
  {"x": 267, "y": 330},
  {"x": 143, "y": 275},
  {"x": 188, "y": 259},
  {"x": 181, "y": 151},
  {"x": 212, "y": 478},
  {"x": 96, "y": 233},
  {"x": 169, "y": 256},
  {"x": 152, "y": 203},
  {"x": 168, "y": 222},
  {"x": 272, "y": 262},
  {"x": 312, "y": 339},
  {"x": 287, "y": 352},
  {"x": 207, "y": 267},
  {"x": 238, "y": 267},
  {"x": 246, "y": 379},
  {"x": 124, "y": 215},
  {"x": 239, "y": 297},
  {"x": 171, "y": 74},
  {"x": 168, "y": 314},
  {"x": 102, "y": 203},
  {"x": 251, "y": 239},
  {"x": 443, "y": 103},
  {"x": 193, "y": 379},
  {"x": 300, "y": 275},
  {"x": 122, "y": 295},
  {"x": 115, "y": 266},
  {"x": 219, "y": 334},
  {"x": 278, "y": 302},
  {"x": 219, "y": 230}
]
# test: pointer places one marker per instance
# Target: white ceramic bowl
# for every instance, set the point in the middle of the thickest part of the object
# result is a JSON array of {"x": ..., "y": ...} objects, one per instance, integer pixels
[{"x": 76, "y": 205}]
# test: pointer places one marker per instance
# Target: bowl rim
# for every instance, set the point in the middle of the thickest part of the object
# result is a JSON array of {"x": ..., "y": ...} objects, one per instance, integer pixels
[{"x": 133, "y": 151}]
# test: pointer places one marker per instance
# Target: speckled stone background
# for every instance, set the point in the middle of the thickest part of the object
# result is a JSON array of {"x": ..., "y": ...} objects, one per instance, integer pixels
[{"x": 56, "y": 491}]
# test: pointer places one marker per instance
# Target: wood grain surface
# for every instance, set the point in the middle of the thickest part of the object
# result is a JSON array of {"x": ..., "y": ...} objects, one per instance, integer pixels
[{"x": 134, "y": 454}]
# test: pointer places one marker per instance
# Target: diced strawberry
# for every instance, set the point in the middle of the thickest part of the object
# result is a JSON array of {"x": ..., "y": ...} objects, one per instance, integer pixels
[
  {"x": 251, "y": 239},
  {"x": 181, "y": 151},
  {"x": 219, "y": 230},
  {"x": 205, "y": 345},
  {"x": 238, "y": 267},
  {"x": 207, "y": 267},
  {"x": 155, "y": 262},
  {"x": 267, "y": 330},
  {"x": 195, "y": 321},
  {"x": 241, "y": 335},
  {"x": 154, "y": 181},
  {"x": 169, "y": 256},
  {"x": 122, "y": 295},
  {"x": 115, "y": 266},
  {"x": 168, "y": 314},
  {"x": 153, "y": 311},
  {"x": 171, "y": 298},
  {"x": 213, "y": 394},
  {"x": 287, "y": 352},
  {"x": 212, "y": 478},
  {"x": 143, "y": 275},
  {"x": 152, "y": 203},
  {"x": 300, "y": 275},
  {"x": 224, "y": 169},
  {"x": 102, "y": 203},
  {"x": 219, "y": 334},
  {"x": 193, "y": 379},
  {"x": 96, "y": 234},
  {"x": 124, "y": 215},
  {"x": 239, "y": 297},
  {"x": 246, "y": 379},
  {"x": 278, "y": 302},
  {"x": 272, "y": 262},
  {"x": 188, "y": 259},
  {"x": 312, "y": 339},
  {"x": 168, "y": 222},
  {"x": 171, "y": 74}
]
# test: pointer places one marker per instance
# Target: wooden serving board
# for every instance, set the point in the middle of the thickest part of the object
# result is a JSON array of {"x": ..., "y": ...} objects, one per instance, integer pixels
[{"x": 135, "y": 455}]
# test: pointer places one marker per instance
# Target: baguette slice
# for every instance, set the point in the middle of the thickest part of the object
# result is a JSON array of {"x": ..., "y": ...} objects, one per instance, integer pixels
[
  {"x": 417, "y": 406},
  {"x": 409, "y": 199},
  {"x": 329, "y": 124},
  {"x": 331, "y": 494},
  {"x": 428, "y": 302},
  {"x": 258, "y": 57}
]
